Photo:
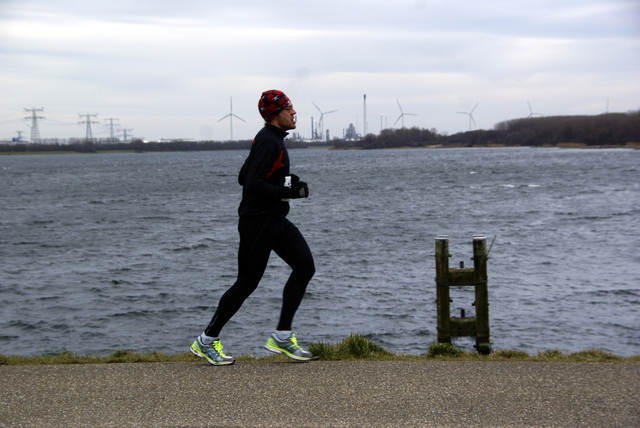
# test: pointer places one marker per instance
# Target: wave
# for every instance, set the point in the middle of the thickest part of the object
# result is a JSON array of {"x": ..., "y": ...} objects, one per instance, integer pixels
[{"x": 128, "y": 264}]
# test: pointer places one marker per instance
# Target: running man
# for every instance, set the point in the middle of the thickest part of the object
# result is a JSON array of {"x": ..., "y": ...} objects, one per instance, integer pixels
[{"x": 267, "y": 187}]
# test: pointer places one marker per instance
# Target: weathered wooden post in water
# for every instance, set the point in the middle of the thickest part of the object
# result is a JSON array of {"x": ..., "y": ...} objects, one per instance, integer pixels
[{"x": 446, "y": 277}]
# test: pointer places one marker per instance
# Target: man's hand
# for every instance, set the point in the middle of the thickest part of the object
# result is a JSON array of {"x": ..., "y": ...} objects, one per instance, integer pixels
[{"x": 298, "y": 190}]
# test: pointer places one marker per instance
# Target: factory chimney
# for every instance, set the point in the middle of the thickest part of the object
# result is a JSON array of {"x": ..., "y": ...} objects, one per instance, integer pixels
[{"x": 365, "y": 115}]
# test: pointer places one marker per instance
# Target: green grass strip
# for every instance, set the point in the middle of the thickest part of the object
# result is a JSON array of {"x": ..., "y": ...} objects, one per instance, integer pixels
[{"x": 355, "y": 347}]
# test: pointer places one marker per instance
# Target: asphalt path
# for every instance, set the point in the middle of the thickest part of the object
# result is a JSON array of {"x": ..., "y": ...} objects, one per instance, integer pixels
[{"x": 322, "y": 394}]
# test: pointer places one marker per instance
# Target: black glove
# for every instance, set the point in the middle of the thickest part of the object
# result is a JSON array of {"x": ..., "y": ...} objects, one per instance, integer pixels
[{"x": 297, "y": 190}]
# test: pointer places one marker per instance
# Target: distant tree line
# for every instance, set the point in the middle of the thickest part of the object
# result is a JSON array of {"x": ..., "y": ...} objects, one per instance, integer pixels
[
  {"x": 613, "y": 129},
  {"x": 396, "y": 138}
]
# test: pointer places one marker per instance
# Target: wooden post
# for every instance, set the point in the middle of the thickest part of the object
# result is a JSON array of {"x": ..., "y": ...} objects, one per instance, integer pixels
[
  {"x": 442, "y": 288},
  {"x": 482, "y": 294}
]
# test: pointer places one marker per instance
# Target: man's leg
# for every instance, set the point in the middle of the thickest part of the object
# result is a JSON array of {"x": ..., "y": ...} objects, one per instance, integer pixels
[
  {"x": 294, "y": 250},
  {"x": 256, "y": 240}
]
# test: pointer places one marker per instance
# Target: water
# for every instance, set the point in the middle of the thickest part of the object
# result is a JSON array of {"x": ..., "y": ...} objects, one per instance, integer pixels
[{"x": 132, "y": 251}]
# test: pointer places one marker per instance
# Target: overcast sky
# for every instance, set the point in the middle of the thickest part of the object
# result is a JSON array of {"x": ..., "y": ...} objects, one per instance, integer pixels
[{"x": 168, "y": 69}]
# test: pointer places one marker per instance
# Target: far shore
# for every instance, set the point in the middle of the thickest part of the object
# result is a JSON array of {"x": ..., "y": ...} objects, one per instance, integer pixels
[{"x": 627, "y": 146}]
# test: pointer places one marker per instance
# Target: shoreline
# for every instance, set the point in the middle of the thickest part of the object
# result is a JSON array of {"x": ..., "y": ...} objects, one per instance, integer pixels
[
  {"x": 628, "y": 146},
  {"x": 438, "y": 353},
  {"x": 354, "y": 347}
]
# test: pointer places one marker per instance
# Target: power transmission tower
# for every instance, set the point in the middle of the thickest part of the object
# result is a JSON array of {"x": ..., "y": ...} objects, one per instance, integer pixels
[
  {"x": 35, "y": 132},
  {"x": 88, "y": 122},
  {"x": 124, "y": 131},
  {"x": 112, "y": 126}
]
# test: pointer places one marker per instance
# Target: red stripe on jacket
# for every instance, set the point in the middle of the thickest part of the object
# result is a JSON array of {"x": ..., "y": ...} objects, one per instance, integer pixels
[{"x": 277, "y": 164}]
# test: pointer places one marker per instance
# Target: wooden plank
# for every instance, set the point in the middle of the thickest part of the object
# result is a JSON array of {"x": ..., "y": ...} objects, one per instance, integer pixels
[{"x": 461, "y": 276}]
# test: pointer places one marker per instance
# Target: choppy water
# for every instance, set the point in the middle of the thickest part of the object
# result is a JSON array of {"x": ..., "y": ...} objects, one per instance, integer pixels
[{"x": 132, "y": 251}]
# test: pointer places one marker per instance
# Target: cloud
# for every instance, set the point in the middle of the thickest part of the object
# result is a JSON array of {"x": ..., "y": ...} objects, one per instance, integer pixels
[{"x": 168, "y": 69}]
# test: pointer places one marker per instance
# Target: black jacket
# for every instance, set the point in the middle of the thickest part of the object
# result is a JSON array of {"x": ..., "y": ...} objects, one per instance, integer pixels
[{"x": 262, "y": 175}]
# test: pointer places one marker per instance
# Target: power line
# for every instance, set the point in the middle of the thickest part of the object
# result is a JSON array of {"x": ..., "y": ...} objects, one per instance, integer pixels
[
  {"x": 88, "y": 122},
  {"x": 35, "y": 131}
]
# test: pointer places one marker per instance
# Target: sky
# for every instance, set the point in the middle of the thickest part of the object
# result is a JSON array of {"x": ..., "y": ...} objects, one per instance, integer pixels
[{"x": 162, "y": 69}]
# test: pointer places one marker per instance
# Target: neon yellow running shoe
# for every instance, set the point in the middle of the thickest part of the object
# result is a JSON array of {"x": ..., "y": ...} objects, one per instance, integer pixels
[
  {"x": 289, "y": 347},
  {"x": 212, "y": 353}
]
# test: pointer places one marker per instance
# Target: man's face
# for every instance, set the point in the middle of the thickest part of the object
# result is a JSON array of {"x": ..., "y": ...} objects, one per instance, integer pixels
[{"x": 286, "y": 119}]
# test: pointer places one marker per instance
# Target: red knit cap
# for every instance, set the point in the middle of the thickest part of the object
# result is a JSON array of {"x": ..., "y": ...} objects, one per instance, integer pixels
[{"x": 272, "y": 103}]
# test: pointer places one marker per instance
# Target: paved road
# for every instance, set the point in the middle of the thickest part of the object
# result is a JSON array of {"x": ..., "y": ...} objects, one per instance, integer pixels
[{"x": 322, "y": 394}]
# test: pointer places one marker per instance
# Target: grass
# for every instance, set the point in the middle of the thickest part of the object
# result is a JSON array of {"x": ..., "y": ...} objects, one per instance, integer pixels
[{"x": 355, "y": 347}]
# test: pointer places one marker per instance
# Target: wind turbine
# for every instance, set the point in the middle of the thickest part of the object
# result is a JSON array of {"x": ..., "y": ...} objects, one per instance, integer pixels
[
  {"x": 470, "y": 114},
  {"x": 231, "y": 116},
  {"x": 402, "y": 114},
  {"x": 321, "y": 121},
  {"x": 531, "y": 113}
]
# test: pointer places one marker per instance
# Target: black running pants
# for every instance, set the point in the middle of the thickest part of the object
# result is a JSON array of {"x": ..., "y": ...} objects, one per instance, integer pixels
[{"x": 259, "y": 235}]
